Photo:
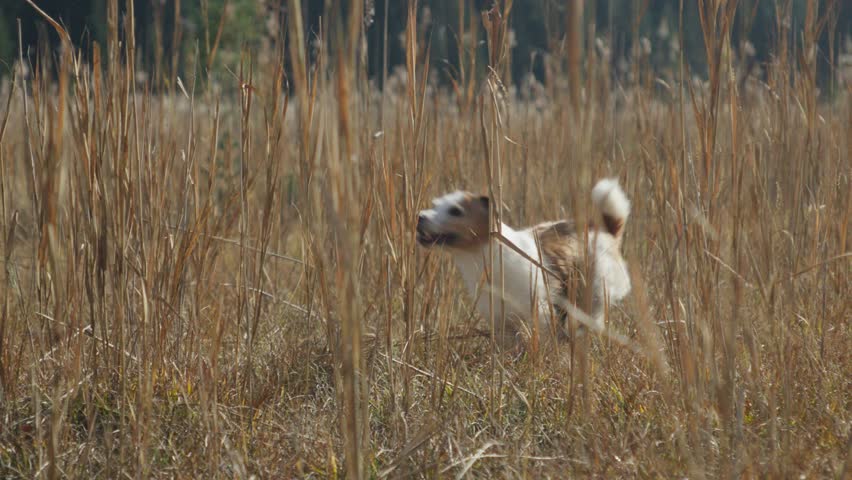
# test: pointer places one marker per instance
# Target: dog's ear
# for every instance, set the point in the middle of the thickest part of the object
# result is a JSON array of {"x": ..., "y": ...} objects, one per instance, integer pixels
[{"x": 484, "y": 201}]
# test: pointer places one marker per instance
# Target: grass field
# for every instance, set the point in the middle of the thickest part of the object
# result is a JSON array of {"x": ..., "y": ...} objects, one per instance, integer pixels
[{"x": 221, "y": 279}]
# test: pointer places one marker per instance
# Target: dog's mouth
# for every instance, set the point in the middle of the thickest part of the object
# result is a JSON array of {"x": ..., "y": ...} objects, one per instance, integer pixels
[{"x": 435, "y": 239}]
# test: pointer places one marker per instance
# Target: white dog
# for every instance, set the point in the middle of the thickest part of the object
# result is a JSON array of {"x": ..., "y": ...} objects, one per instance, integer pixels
[{"x": 543, "y": 269}]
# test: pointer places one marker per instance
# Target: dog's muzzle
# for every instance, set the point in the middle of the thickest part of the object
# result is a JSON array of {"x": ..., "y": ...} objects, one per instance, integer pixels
[{"x": 428, "y": 238}]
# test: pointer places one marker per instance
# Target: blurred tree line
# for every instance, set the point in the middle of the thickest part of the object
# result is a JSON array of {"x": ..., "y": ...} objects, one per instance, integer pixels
[{"x": 179, "y": 35}]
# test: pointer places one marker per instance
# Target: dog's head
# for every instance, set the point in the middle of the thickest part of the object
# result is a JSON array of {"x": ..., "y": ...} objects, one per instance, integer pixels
[{"x": 457, "y": 220}]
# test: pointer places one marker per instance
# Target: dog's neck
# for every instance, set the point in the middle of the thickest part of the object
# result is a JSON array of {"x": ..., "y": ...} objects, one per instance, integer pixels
[
  {"x": 480, "y": 255},
  {"x": 494, "y": 263}
]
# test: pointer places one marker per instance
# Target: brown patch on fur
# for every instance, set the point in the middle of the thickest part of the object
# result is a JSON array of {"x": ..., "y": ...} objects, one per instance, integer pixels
[
  {"x": 473, "y": 227},
  {"x": 613, "y": 225},
  {"x": 562, "y": 253}
]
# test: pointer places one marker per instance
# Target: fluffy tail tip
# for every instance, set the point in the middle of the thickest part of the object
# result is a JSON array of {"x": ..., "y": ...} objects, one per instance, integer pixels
[{"x": 613, "y": 204}]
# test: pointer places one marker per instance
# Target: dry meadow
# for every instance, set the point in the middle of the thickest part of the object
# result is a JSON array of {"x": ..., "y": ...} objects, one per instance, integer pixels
[{"x": 219, "y": 278}]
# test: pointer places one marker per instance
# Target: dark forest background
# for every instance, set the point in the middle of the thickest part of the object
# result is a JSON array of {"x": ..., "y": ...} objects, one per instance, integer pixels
[{"x": 173, "y": 34}]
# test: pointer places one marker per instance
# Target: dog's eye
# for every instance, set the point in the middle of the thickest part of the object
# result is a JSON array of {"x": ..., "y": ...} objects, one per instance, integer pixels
[{"x": 455, "y": 211}]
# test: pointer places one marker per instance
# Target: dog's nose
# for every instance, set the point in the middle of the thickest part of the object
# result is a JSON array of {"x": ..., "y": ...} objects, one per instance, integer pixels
[{"x": 421, "y": 220}]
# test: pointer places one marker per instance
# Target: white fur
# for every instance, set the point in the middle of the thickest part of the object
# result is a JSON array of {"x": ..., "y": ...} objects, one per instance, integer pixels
[
  {"x": 438, "y": 214},
  {"x": 610, "y": 199},
  {"x": 612, "y": 281},
  {"x": 520, "y": 296},
  {"x": 523, "y": 296}
]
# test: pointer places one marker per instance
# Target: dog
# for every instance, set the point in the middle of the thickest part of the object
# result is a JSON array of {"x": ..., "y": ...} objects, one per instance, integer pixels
[{"x": 539, "y": 277}]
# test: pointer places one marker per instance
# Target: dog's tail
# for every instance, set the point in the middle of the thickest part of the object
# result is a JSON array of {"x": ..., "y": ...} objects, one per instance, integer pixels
[{"x": 613, "y": 204}]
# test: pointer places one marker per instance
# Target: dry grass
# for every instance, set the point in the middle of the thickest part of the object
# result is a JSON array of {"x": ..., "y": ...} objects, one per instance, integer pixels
[{"x": 224, "y": 282}]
